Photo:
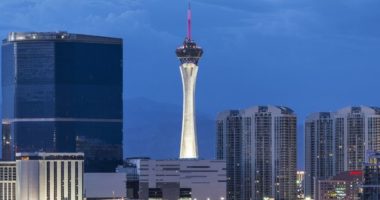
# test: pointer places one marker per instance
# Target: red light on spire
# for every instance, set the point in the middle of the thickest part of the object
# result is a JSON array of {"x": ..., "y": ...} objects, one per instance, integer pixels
[{"x": 189, "y": 22}]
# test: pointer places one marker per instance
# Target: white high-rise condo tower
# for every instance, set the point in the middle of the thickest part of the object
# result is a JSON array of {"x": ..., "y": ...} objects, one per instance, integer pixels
[{"x": 189, "y": 54}]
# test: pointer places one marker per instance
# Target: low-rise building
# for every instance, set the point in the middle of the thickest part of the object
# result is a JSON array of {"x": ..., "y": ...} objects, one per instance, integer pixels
[
  {"x": 175, "y": 179},
  {"x": 371, "y": 183},
  {"x": 7, "y": 180},
  {"x": 344, "y": 186},
  {"x": 48, "y": 176}
]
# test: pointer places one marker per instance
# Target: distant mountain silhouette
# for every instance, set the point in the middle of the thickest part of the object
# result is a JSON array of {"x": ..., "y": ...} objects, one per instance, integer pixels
[{"x": 153, "y": 129}]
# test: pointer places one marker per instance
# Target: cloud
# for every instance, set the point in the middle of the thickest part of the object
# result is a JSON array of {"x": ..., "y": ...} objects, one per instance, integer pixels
[
  {"x": 237, "y": 19},
  {"x": 78, "y": 15},
  {"x": 351, "y": 19}
]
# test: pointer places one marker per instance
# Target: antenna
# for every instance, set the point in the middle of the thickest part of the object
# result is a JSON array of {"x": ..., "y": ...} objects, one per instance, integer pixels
[{"x": 189, "y": 22}]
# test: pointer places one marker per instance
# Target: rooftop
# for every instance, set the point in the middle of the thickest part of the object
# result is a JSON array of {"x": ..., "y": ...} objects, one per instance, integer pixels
[
  {"x": 59, "y": 36},
  {"x": 49, "y": 156}
]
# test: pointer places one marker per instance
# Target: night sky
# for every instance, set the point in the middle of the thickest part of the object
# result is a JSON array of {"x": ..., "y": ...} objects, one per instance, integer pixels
[{"x": 309, "y": 55}]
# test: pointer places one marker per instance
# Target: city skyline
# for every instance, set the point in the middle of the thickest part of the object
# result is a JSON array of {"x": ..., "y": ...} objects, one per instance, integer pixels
[{"x": 298, "y": 45}]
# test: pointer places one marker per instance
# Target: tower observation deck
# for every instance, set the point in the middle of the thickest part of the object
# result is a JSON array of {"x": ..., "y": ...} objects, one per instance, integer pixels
[{"x": 189, "y": 52}]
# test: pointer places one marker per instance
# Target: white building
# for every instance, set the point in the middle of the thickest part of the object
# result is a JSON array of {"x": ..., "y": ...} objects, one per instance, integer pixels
[
  {"x": 177, "y": 179},
  {"x": 357, "y": 130},
  {"x": 49, "y": 176},
  {"x": 7, "y": 180}
]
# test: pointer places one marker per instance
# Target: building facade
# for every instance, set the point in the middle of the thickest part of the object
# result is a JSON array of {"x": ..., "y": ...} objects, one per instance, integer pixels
[
  {"x": 7, "y": 150},
  {"x": 319, "y": 149},
  {"x": 47, "y": 176},
  {"x": 175, "y": 179},
  {"x": 357, "y": 130},
  {"x": 102, "y": 186},
  {"x": 259, "y": 146},
  {"x": 7, "y": 180},
  {"x": 229, "y": 128},
  {"x": 338, "y": 141},
  {"x": 62, "y": 92}
]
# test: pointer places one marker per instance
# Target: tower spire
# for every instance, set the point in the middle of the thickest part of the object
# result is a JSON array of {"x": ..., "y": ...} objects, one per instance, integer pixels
[{"x": 189, "y": 22}]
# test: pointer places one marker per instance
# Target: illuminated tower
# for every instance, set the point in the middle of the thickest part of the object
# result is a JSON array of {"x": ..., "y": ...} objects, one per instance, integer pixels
[{"x": 189, "y": 54}]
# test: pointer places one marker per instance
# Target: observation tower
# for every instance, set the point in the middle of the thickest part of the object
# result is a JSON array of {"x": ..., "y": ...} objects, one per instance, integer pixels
[{"x": 189, "y": 54}]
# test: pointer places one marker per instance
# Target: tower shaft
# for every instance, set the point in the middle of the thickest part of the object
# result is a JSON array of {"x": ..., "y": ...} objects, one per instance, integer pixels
[{"x": 189, "y": 146}]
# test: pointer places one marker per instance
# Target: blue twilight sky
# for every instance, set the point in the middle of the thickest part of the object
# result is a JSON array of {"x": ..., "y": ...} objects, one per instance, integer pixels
[{"x": 310, "y": 55}]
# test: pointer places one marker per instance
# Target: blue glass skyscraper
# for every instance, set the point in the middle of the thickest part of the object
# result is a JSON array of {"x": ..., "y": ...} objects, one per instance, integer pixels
[{"x": 62, "y": 92}]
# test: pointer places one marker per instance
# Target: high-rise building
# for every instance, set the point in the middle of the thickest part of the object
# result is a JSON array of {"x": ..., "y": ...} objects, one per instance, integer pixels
[
  {"x": 229, "y": 147},
  {"x": 189, "y": 54},
  {"x": 45, "y": 176},
  {"x": 337, "y": 141},
  {"x": 259, "y": 146},
  {"x": 7, "y": 180},
  {"x": 62, "y": 92},
  {"x": 357, "y": 130},
  {"x": 319, "y": 150}
]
